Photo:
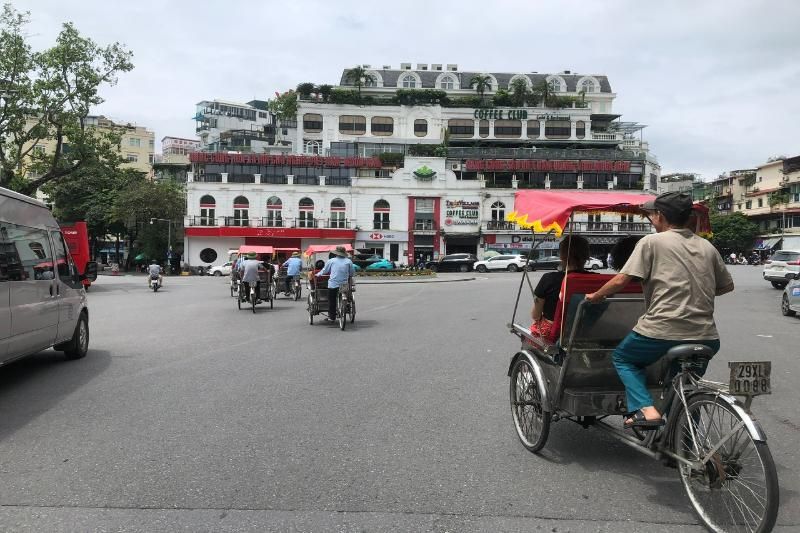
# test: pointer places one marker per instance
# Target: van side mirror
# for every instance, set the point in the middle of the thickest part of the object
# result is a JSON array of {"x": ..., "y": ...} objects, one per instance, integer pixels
[{"x": 90, "y": 272}]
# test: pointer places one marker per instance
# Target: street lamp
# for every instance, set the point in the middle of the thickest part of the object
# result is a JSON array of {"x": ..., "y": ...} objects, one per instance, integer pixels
[{"x": 169, "y": 236}]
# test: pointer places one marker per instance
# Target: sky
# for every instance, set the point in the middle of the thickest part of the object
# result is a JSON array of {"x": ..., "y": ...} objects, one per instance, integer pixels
[{"x": 716, "y": 82}]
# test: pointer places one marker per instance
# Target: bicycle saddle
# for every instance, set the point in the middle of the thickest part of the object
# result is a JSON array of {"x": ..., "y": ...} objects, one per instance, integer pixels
[{"x": 689, "y": 352}]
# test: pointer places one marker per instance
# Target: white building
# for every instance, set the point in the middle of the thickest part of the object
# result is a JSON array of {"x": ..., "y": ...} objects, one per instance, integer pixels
[{"x": 250, "y": 127}]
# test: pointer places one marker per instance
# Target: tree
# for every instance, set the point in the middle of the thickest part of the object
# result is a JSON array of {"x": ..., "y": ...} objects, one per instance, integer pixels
[
  {"x": 733, "y": 232},
  {"x": 47, "y": 96},
  {"x": 519, "y": 92},
  {"x": 480, "y": 82},
  {"x": 359, "y": 77},
  {"x": 284, "y": 106},
  {"x": 305, "y": 89},
  {"x": 325, "y": 92}
]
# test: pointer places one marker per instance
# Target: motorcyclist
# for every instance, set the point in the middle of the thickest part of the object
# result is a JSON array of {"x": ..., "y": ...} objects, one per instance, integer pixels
[
  {"x": 248, "y": 269},
  {"x": 154, "y": 272},
  {"x": 293, "y": 267}
]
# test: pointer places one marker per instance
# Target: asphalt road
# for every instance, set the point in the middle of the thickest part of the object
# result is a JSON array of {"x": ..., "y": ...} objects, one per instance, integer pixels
[{"x": 189, "y": 415}]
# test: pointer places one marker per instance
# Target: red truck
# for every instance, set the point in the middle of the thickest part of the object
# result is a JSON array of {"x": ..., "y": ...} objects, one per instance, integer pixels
[{"x": 77, "y": 237}]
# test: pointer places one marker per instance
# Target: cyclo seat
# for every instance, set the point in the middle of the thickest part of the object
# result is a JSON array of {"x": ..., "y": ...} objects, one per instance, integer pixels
[{"x": 696, "y": 353}]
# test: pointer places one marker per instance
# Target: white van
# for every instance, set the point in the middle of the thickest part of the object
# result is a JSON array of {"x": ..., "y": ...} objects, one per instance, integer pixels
[{"x": 42, "y": 299}]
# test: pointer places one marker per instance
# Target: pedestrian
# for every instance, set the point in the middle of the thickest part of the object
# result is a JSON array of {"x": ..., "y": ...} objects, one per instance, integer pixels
[
  {"x": 609, "y": 261},
  {"x": 681, "y": 273}
]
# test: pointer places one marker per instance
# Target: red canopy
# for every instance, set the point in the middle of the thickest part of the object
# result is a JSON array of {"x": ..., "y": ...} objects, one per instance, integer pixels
[
  {"x": 278, "y": 250},
  {"x": 247, "y": 248},
  {"x": 316, "y": 248},
  {"x": 550, "y": 210}
]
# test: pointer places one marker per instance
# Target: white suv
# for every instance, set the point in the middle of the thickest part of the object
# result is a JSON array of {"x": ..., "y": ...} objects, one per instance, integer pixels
[
  {"x": 512, "y": 263},
  {"x": 221, "y": 270},
  {"x": 782, "y": 267}
]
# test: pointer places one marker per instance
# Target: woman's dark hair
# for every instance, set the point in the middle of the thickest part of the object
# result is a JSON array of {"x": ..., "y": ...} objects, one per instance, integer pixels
[
  {"x": 622, "y": 251},
  {"x": 319, "y": 265},
  {"x": 575, "y": 248}
]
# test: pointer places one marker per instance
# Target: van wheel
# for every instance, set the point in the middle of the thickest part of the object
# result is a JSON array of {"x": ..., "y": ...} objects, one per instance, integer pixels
[
  {"x": 78, "y": 346},
  {"x": 779, "y": 284}
]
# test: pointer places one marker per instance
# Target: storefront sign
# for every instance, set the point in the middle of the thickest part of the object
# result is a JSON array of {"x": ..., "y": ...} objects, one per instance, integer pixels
[
  {"x": 382, "y": 236},
  {"x": 546, "y": 165},
  {"x": 461, "y": 212},
  {"x": 500, "y": 114},
  {"x": 424, "y": 173},
  {"x": 284, "y": 160}
]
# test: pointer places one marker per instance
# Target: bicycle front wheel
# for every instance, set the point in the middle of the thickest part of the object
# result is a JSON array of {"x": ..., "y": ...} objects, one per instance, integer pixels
[{"x": 736, "y": 488}]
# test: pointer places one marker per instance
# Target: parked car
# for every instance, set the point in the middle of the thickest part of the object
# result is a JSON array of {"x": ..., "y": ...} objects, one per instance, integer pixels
[
  {"x": 363, "y": 260},
  {"x": 593, "y": 264},
  {"x": 782, "y": 267},
  {"x": 221, "y": 270},
  {"x": 544, "y": 263},
  {"x": 790, "y": 301},
  {"x": 453, "y": 263},
  {"x": 42, "y": 298},
  {"x": 383, "y": 264},
  {"x": 512, "y": 263}
]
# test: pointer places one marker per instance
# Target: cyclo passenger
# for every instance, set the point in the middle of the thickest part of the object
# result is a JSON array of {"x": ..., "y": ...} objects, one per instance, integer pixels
[
  {"x": 293, "y": 267},
  {"x": 574, "y": 252},
  {"x": 154, "y": 272},
  {"x": 248, "y": 269},
  {"x": 681, "y": 274},
  {"x": 341, "y": 269}
]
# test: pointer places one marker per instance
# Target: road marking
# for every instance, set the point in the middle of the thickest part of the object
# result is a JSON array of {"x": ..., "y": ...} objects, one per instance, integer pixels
[{"x": 765, "y": 336}]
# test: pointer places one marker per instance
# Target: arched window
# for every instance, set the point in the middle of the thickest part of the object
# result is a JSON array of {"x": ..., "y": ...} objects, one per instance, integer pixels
[
  {"x": 554, "y": 84},
  {"x": 274, "y": 212},
  {"x": 498, "y": 213},
  {"x": 580, "y": 129},
  {"x": 338, "y": 212},
  {"x": 241, "y": 210},
  {"x": 312, "y": 147},
  {"x": 447, "y": 83},
  {"x": 380, "y": 215},
  {"x": 208, "y": 210},
  {"x": 587, "y": 86},
  {"x": 409, "y": 81},
  {"x": 306, "y": 214}
]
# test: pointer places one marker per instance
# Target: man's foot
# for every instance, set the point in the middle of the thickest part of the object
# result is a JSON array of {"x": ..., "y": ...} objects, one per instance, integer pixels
[
  {"x": 330, "y": 320},
  {"x": 645, "y": 418}
]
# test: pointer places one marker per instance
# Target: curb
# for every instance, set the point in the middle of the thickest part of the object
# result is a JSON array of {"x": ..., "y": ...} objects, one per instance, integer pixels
[{"x": 387, "y": 282}]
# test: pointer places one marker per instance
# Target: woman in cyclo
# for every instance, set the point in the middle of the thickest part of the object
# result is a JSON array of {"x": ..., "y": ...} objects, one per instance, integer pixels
[{"x": 574, "y": 252}]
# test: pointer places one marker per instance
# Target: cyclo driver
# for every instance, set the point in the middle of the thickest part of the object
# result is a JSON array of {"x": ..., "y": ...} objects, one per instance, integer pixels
[
  {"x": 293, "y": 267},
  {"x": 154, "y": 272},
  {"x": 341, "y": 269},
  {"x": 248, "y": 270}
]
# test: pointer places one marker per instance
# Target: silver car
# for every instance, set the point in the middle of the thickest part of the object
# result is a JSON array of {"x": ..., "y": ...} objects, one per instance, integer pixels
[
  {"x": 790, "y": 301},
  {"x": 42, "y": 299}
]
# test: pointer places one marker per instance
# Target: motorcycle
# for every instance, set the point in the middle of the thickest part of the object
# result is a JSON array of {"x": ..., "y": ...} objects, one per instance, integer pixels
[{"x": 155, "y": 283}]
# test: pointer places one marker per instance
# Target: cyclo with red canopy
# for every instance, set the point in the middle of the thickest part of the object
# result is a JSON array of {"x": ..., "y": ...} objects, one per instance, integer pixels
[
  {"x": 719, "y": 449},
  {"x": 316, "y": 255},
  {"x": 295, "y": 288},
  {"x": 266, "y": 288}
]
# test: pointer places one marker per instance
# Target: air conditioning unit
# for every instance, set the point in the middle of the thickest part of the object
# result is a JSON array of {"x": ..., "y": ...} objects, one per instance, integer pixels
[{"x": 455, "y": 166}]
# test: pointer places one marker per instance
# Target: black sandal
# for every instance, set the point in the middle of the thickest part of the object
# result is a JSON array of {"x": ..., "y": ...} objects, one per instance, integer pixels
[{"x": 639, "y": 421}]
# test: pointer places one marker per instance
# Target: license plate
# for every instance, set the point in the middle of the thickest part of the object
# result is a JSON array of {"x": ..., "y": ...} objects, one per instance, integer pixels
[{"x": 750, "y": 378}]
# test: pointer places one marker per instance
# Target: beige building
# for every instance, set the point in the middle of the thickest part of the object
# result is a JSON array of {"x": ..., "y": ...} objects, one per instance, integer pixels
[{"x": 137, "y": 145}]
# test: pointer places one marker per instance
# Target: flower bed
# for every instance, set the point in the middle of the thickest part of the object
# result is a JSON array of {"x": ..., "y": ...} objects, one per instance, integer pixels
[{"x": 393, "y": 273}]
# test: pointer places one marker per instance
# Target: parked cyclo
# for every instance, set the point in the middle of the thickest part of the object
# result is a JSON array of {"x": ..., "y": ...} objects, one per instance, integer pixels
[
  {"x": 318, "y": 287},
  {"x": 264, "y": 290},
  {"x": 710, "y": 435}
]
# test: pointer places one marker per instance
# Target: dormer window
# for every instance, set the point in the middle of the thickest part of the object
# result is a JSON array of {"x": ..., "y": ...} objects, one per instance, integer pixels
[
  {"x": 447, "y": 83},
  {"x": 555, "y": 85},
  {"x": 587, "y": 86},
  {"x": 409, "y": 81}
]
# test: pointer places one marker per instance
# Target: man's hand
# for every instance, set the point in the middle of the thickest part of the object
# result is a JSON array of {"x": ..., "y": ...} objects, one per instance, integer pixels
[{"x": 595, "y": 298}]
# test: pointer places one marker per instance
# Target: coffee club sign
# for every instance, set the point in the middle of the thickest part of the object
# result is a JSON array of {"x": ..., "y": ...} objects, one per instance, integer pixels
[
  {"x": 461, "y": 213},
  {"x": 513, "y": 114}
]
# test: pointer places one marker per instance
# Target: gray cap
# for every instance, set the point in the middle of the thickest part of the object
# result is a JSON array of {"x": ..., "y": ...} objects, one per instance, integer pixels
[{"x": 670, "y": 203}]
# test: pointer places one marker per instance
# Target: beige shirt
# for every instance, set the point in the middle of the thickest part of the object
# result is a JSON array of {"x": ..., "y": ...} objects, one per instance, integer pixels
[{"x": 680, "y": 274}]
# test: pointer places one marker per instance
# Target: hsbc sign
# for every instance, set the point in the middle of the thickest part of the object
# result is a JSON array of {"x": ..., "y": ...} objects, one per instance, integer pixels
[{"x": 382, "y": 236}]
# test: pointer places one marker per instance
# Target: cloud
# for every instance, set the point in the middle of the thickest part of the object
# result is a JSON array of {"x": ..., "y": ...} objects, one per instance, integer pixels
[{"x": 714, "y": 81}]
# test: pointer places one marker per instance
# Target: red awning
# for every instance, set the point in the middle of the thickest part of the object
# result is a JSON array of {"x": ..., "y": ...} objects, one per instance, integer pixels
[
  {"x": 247, "y": 248},
  {"x": 544, "y": 211}
]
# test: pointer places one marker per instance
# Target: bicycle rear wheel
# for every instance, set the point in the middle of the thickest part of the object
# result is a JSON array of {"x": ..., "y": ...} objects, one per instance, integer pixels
[
  {"x": 736, "y": 490},
  {"x": 530, "y": 419}
]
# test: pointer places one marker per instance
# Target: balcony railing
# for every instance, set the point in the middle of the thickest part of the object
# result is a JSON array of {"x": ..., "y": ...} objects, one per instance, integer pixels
[
  {"x": 208, "y": 178},
  {"x": 609, "y": 227},
  {"x": 305, "y": 223},
  {"x": 544, "y": 153},
  {"x": 423, "y": 225},
  {"x": 275, "y": 180},
  {"x": 337, "y": 223},
  {"x": 241, "y": 178},
  {"x": 337, "y": 181},
  {"x": 500, "y": 225},
  {"x": 239, "y": 222},
  {"x": 201, "y": 221},
  {"x": 306, "y": 180},
  {"x": 271, "y": 222}
]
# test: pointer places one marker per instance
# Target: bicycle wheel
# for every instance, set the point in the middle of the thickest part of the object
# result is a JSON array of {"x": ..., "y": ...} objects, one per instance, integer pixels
[
  {"x": 239, "y": 300},
  {"x": 530, "y": 419},
  {"x": 310, "y": 309},
  {"x": 352, "y": 311},
  {"x": 341, "y": 311},
  {"x": 737, "y": 488},
  {"x": 298, "y": 291}
]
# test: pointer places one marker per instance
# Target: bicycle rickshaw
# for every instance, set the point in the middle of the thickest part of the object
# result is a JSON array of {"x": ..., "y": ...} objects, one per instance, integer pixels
[
  {"x": 266, "y": 288},
  {"x": 318, "y": 288},
  {"x": 710, "y": 435},
  {"x": 295, "y": 288}
]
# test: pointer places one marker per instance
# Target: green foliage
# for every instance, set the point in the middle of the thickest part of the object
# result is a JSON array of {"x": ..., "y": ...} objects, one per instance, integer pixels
[
  {"x": 733, "y": 231},
  {"x": 284, "y": 106},
  {"x": 47, "y": 95},
  {"x": 502, "y": 98},
  {"x": 420, "y": 96},
  {"x": 480, "y": 83},
  {"x": 519, "y": 92},
  {"x": 343, "y": 96},
  {"x": 464, "y": 101},
  {"x": 424, "y": 150},
  {"x": 325, "y": 91},
  {"x": 391, "y": 159},
  {"x": 781, "y": 197},
  {"x": 305, "y": 89},
  {"x": 359, "y": 77}
]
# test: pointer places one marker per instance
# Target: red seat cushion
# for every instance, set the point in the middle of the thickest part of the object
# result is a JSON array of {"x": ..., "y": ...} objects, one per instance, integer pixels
[{"x": 582, "y": 283}]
